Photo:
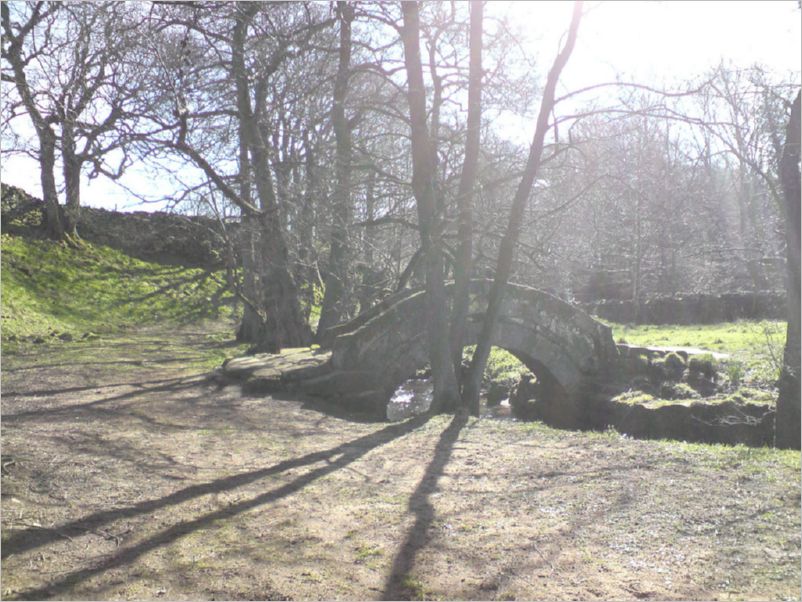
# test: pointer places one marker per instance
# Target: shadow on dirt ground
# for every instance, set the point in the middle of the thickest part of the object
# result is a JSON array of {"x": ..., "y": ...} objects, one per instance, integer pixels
[{"x": 127, "y": 473}]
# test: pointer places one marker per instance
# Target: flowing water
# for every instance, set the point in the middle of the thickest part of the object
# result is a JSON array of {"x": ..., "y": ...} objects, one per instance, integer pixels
[{"x": 414, "y": 396}]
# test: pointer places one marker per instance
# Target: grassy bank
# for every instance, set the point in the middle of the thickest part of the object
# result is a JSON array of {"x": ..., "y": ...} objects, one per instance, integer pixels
[
  {"x": 755, "y": 347},
  {"x": 51, "y": 290}
]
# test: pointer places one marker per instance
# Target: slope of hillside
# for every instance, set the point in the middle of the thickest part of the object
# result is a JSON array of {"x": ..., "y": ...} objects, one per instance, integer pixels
[{"x": 51, "y": 291}]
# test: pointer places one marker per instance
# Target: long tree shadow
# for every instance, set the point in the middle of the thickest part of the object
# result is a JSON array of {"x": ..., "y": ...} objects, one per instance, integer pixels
[
  {"x": 422, "y": 508},
  {"x": 136, "y": 362},
  {"x": 95, "y": 387},
  {"x": 336, "y": 458},
  {"x": 168, "y": 385}
]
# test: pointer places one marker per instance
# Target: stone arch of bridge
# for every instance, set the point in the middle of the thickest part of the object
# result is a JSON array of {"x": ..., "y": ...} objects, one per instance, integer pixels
[{"x": 564, "y": 347}]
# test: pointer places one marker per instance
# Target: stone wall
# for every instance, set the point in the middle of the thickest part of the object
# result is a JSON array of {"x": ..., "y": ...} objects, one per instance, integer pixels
[
  {"x": 694, "y": 309},
  {"x": 158, "y": 236}
]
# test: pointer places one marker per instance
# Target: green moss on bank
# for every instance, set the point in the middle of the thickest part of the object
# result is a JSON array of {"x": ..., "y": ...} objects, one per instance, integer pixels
[{"x": 51, "y": 289}]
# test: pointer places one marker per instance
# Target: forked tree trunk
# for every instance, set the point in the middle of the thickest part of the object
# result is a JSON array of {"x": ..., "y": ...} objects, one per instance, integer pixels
[
  {"x": 787, "y": 429},
  {"x": 275, "y": 320}
]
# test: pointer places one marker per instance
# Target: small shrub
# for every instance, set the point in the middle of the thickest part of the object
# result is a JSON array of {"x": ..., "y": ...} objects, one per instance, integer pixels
[{"x": 735, "y": 373}]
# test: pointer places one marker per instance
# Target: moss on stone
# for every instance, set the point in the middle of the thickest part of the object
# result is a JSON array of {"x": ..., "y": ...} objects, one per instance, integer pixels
[
  {"x": 634, "y": 397},
  {"x": 678, "y": 391},
  {"x": 703, "y": 364},
  {"x": 675, "y": 362}
]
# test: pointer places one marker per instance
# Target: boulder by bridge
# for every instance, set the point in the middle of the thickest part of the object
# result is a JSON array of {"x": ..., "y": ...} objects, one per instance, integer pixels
[{"x": 362, "y": 362}]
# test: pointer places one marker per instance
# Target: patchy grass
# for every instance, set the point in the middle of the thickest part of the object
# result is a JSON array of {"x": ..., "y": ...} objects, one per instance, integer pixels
[
  {"x": 746, "y": 395},
  {"x": 755, "y": 346},
  {"x": 413, "y": 588},
  {"x": 186, "y": 490},
  {"x": 634, "y": 397},
  {"x": 51, "y": 289},
  {"x": 502, "y": 368}
]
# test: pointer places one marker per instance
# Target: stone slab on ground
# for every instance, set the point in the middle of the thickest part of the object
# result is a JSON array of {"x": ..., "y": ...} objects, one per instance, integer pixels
[
  {"x": 308, "y": 371},
  {"x": 289, "y": 366},
  {"x": 628, "y": 350}
]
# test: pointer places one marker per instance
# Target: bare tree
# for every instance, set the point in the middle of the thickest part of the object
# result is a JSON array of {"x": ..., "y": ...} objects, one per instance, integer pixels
[
  {"x": 463, "y": 263},
  {"x": 504, "y": 263},
  {"x": 788, "y": 402},
  {"x": 228, "y": 90},
  {"x": 14, "y": 52},
  {"x": 430, "y": 221},
  {"x": 334, "y": 298},
  {"x": 71, "y": 69}
]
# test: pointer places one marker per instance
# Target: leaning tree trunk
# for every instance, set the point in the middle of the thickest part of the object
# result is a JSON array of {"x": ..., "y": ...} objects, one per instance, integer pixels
[
  {"x": 444, "y": 380},
  {"x": 787, "y": 430},
  {"x": 334, "y": 298},
  {"x": 508, "y": 243}
]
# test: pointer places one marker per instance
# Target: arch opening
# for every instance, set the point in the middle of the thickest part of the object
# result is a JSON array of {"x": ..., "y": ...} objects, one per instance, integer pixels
[{"x": 514, "y": 386}]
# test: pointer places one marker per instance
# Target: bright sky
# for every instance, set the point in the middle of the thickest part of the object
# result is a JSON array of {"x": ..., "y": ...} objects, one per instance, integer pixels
[{"x": 659, "y": 42}]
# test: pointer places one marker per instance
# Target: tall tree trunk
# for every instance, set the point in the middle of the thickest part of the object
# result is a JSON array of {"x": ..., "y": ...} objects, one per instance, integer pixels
[
  {"x": 444, "y": 380},
  {"x": 71, "y": 167},
  {"x": 47, "y": 169},
  {"x": 307, "y": 267},
  {"x": 334, "y": 298},
  {"x": 463, "y": 264},
  {"x": 253, "y": 323},
  {"x": 370, "y": 213},
  {"x": 787, "y": 430},
  {"x": 747, "y": 230},
  {"x": 510, "y": 240},
  {"x": 285, "y": 325}
]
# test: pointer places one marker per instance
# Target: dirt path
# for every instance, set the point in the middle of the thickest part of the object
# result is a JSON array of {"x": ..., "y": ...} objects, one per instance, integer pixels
[{"x": 128, "y": 475}]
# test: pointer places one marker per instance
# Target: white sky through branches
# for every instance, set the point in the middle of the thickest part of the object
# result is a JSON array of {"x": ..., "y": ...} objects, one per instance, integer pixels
[{"x": 660, "y": 43}]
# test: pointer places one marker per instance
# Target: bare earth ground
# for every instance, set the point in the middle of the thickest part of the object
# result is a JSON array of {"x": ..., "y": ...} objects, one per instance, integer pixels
[{"x": 126, "y": 475}]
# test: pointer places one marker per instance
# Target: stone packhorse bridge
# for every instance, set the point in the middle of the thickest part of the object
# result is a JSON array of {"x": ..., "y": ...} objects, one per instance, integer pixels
[{"x": 361, "y": 363}]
